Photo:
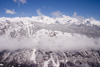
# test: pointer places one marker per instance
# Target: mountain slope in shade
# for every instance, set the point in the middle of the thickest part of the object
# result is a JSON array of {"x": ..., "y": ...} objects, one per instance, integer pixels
[{"x": 40, "y": 58}]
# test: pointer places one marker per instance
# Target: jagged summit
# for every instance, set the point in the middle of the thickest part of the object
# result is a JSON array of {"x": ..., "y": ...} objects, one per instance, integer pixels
[{"x": 48, "y": 20}]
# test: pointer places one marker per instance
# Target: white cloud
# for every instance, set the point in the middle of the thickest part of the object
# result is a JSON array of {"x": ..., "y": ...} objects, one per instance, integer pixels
[
  {"x": 39, "y": 12},
  {"x": 74, "y": 14},
  {"x": 56, "y": 14},
  {"x": 10, "y": 11},
  {"x": 42, "y": 40},
  {"x": 20, "y": 1}
]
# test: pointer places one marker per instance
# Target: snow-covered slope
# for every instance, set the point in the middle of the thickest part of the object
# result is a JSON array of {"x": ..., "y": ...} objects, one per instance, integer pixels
[
  {"x": 48, "y": 20},
  {"x": 27, "y": 26},
  {"x": 49, "y": 42}
]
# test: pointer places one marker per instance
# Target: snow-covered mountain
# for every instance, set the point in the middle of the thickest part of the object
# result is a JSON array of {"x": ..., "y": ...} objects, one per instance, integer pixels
[
  {"x": 49, "y": 42},
  {"x": 48, "y": 20},
  {"x": 26, "y": 25}
]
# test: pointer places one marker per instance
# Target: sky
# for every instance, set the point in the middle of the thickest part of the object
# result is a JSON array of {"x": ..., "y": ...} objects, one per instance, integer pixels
[{"x": 51, "y": 8}]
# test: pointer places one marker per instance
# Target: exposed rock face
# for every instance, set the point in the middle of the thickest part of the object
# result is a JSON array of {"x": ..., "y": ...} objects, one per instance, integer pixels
[{"x": 40, "y": 58}]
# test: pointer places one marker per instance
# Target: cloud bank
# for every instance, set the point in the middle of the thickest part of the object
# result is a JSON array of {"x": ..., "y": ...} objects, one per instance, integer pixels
[{"x": 46, "y": 40}]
